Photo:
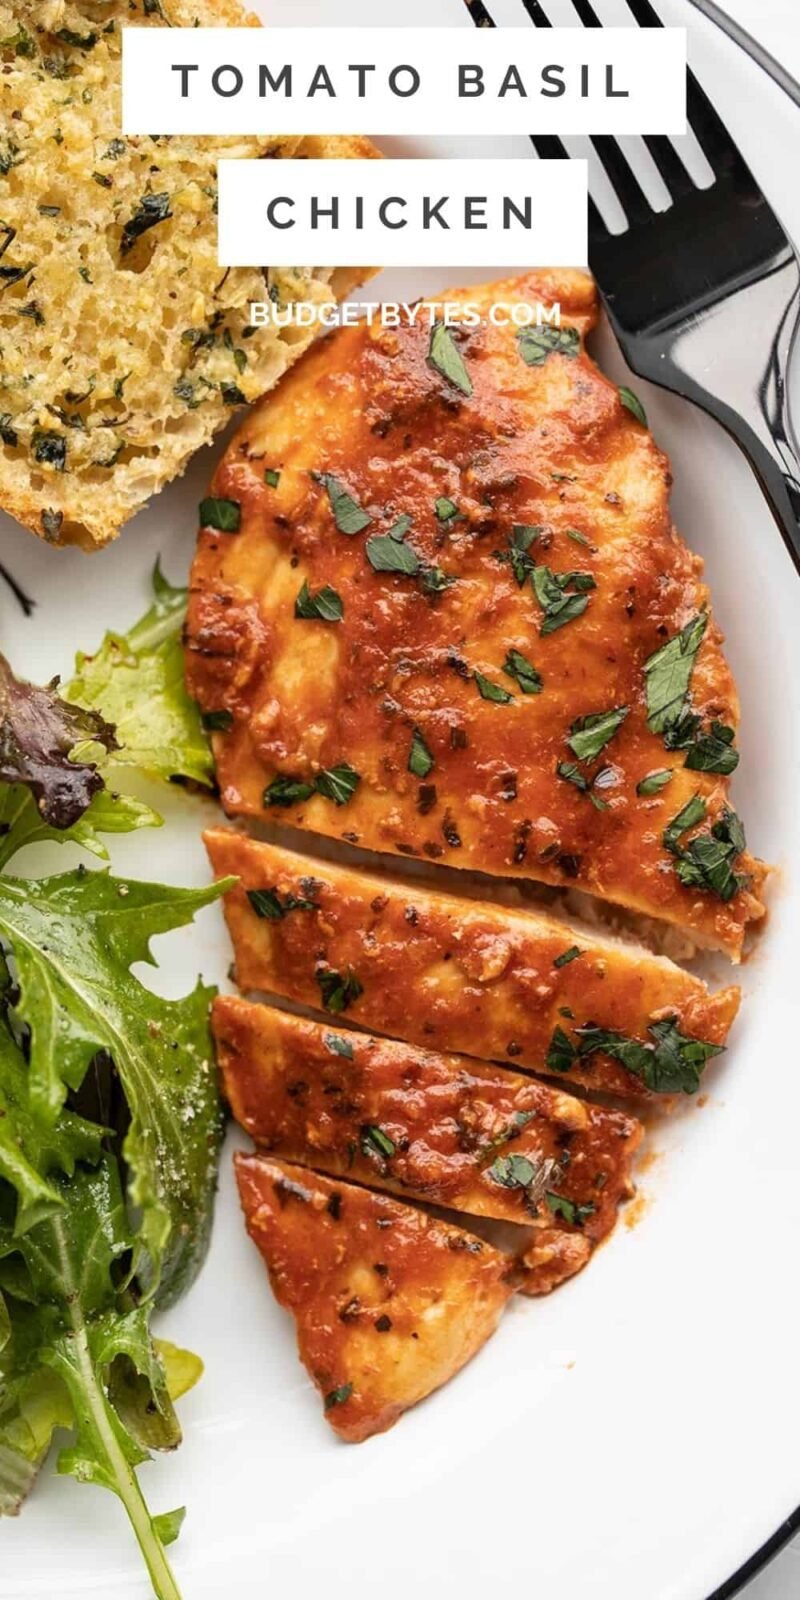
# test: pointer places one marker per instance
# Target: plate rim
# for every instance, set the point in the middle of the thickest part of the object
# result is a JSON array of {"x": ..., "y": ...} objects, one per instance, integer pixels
[{"x": 760, "y": 1559}]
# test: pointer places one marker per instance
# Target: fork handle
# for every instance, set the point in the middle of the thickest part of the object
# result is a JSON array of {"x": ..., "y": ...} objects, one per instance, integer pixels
[{"x": 730, "y": 362}]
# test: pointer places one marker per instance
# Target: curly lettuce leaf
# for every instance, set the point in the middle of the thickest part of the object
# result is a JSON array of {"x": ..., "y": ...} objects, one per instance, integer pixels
[
  {"x": 38, "y": 730},
  {"x": 73, "y": 939},
  {"x": 136, "y": 682},
  {"x": 30, "y": 1150},
  {"x": 21, "y": 822},
  {"x": 78, "y": 1354}
]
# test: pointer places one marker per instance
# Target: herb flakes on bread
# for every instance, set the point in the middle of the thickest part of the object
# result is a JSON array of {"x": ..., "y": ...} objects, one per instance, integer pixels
[{"x": 124, "y": 346}]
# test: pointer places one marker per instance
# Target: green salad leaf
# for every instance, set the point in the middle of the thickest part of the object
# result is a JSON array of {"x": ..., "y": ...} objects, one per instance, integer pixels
[
  {"x": 135, "y": 681},
  {"x": 79, "y": 1350},
  {"x": 73, "y": 939}
]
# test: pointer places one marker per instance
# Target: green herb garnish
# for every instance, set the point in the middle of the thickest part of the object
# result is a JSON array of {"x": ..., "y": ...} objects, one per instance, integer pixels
[
  {"x": 339, "y": 989},
  {"x": 324, "y": 606},
  {"x": 491, "y": 691},
  {"x": 568, "y": 1210},
  {"x": 668, "y": 674},
  {"x": 420, "y": 760},
  {"x": 563, "y": 596},
  {"x": 152, "y": 209},
  {"x": 518, "y": 667},
  {"x": 224, "y": 515},
  {"x": 633, "y": 404},
  {"x": 337, "y": 1397},
  {"x": 445, "y": 356},
  {"x": 267, "y": 903},
  {"x": 590, "y": 734},
  {"x": 338, "y": 1046},
  {"x": 567, "y": 956},
  {"x": 375, "y": 1142},
  {"x": 536, "y": 344},
  {"x": 654, "y": 782},
  {"x": 272, "y": 477},
  {"x": 348, "y": 515}
]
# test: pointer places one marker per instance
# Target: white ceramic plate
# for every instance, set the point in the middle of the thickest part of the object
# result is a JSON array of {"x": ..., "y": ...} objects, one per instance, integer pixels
[{"x": 633, "y": 1436}]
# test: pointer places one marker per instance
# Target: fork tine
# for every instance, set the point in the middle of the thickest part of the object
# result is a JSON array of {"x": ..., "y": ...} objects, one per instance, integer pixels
[
  {"x": 678, "y": 180},
  {"x": 549, "y": 147},
  {"x": 623, "y": 179},
  {"x": 536, "y": 13},
  {"x": 479, "y": 14},
  {"x": 707, "y": 126}
]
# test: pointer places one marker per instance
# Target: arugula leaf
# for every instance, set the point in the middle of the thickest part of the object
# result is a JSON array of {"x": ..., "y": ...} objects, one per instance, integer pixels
[
  {"x": 349, "y": 516},
  {"x": 73, "y": 939},
  {"x": 38, "y": 731},
  {"x": 668, "y": 674},
  {"x": 563, "y": 596},
  {"x": 491, "y": 691},
  {"x": 536, "y": 344},
  {"x": 30, "y": 1150},
  {"x": 420, "y": 760},
  {"x": 135, "y": 680},
  {"x": 590, "y": 734},
  {"x": 445, "y": 356},
  {"x": 84, "y": 1334},
  {"x": 324, "y": 606},
  {"x": 518, "y": 667}
]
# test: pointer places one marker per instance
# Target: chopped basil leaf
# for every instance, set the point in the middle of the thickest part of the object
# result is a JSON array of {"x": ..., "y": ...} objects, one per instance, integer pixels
[
  {"x": 338, "y": 1046},
  {"x": 386, "y": 554},
  {"x": 567, "y": 1210},
  {"x": 491, "y": 691},
  {"x": 520, "y": 539},
  {"x": 513, "y": 1172},
  {"x": 572, "y": 774},
  {"x": 707, "y": 861},
  {"x": 668, "y": 674},
  {"x": 348, "y": 515},
  {"x": 689, "y": 815},
  {"x": 375, "y": 1142},
  {"x": 446, "y": 510},
  {"x": 401, "y": 527},
  {"x": 590, "y": 734},
  {"x": 433, "y": 581},
  {"x": 561, "y": 1055},
  {"x": 286, "y": 790},
  {"x": 674, "y": 1062},
  {"x": 518, "y": 667},
  {"x": 324, "y": 606},
  {"x": 633, "y": 404},
  {"x": 562, "y": 596},
  {"x": 578, "y": 538},
  {"x": 217, "y": 721},
  {"x": 655, "y": 781},
  {"x": 714, "y": 752},
  {"x": 337, "y": 1397},
  {"x": 338, "y": 784},
  {"x": 224, "y": 515},
  {"x": 152, "y": 208},
  {"x": 338, "y": 989},
  {"x": 567, "y": 955},
  {"x": 445, "y": 356},
  {"x": 268, "y": 903},
  {"x": 272, "y": 477},
  {"x": 536, "y": 344},
  {"x": 420, "y": 760}
]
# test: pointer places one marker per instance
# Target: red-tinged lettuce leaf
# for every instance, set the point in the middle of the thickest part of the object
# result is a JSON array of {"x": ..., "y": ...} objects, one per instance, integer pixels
[
  {"x": 21, "y": 822},
  {"x": 37, "y": 732}
]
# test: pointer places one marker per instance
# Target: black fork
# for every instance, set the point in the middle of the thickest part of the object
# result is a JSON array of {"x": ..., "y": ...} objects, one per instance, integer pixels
[{"x": 703, "y": 296}]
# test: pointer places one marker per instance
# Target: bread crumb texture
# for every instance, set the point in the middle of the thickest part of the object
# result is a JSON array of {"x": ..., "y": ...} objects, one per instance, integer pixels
[{"x": 124, "y": 346}]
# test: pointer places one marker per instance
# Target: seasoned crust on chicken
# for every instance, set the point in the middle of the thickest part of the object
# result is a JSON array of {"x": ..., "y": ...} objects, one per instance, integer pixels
[
  {"x": 436, "y": 626},
  {"x": 442, "y": 1129},
  {"x": 450, "y": 973},
  {"x": 389, "y": 1302}
]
